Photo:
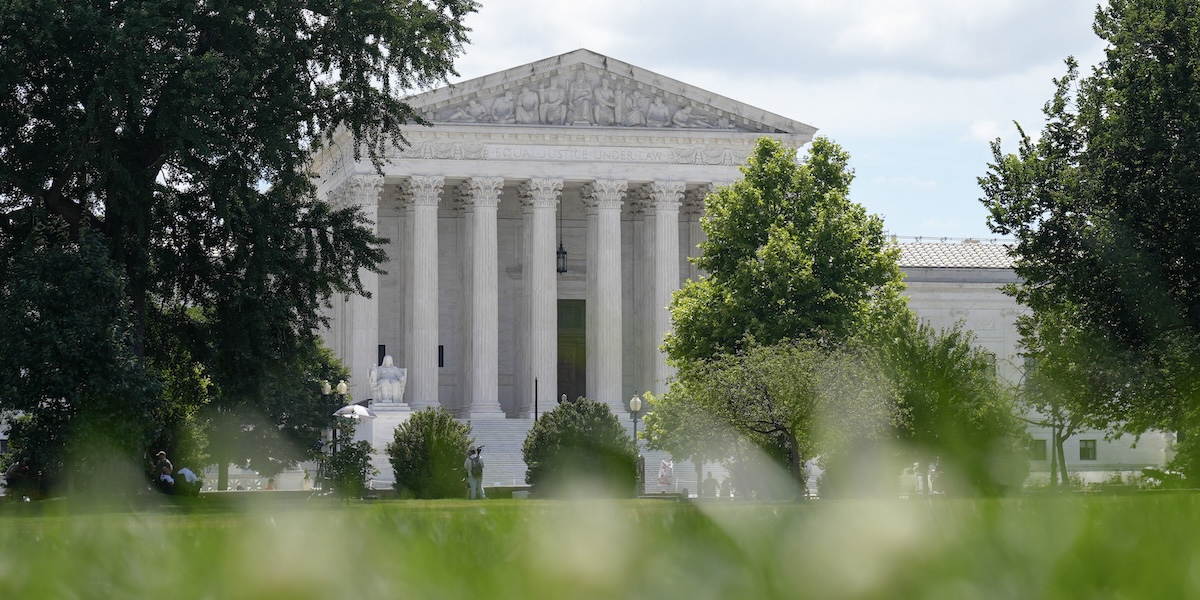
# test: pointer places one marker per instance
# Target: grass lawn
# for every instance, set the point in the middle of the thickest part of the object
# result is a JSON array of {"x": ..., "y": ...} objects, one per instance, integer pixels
[{"x": 1135, "y": 546}]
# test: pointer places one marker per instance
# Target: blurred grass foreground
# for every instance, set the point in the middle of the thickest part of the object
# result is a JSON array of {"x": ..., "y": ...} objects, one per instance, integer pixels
[{"x": 1135, "y": 546}]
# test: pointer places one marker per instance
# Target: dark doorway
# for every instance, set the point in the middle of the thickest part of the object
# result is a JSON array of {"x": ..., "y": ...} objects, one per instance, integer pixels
[{"x": 572, "y": 348}]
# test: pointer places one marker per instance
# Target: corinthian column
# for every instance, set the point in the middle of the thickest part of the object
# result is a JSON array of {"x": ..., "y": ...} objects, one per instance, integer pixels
[
  {"x": 693, "y": 210},
  {"x": 603, "y": 199},
  {"x": 666, "y": 198},
  {"x": 362, "y": 312},
  {"x": 423, "y": 360},
  {"x": 482, "y": 196},
  {"x": 540, "y": 197}
]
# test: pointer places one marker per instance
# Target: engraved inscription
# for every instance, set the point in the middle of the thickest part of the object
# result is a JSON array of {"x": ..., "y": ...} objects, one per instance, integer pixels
[{"x": 576, "y": 153}]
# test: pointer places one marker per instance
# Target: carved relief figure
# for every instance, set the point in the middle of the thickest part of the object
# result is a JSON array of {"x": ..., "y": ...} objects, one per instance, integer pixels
[
  {"x": 634, "y": 114},
  {"x": 658, "y": 115},
  {"x": 606, "y": 105},
  {"x": 580, "y": 95},
  {"x": 552, "y": 111},
  {"x": 502, "y": 109},
  {"x": 681, "y": 117},
  {"x": 473, "y": 113},
  {"x": 387, "y": 381},
  {"x": 527, "y": 107},
  {"x": 684, "y": 118}
]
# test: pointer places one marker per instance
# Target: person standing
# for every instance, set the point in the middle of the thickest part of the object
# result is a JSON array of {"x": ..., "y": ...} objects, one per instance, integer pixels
[{"x": 474, "y": 468}]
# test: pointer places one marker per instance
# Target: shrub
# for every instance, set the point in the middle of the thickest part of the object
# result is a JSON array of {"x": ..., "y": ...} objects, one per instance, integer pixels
[
  {"x": 580, "y": 442},
  {"x": 427, "y": 455},
  {"x": 349, "y": 469}
]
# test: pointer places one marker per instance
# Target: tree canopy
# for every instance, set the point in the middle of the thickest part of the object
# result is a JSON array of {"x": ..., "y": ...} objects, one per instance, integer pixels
[
  {"x": 787, "y": 256},
  {"x": 179, "y": 133},
  {"x": 791, "y": 401},
  {"x": 580, "y": 446},
  {"x": 1105, "y": 203}
]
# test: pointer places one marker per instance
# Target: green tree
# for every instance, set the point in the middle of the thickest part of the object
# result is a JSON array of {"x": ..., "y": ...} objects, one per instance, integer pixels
[
  {"x": 68, "y": 363},
  {"x": 350, "y": 467},
  {"x": 1074, "y": 380},
  {"x": 787, "y": 256},
  {"x": 427, "y": 453},
  {"x": 952, "y": 408},
  {"x": 791, "y": 401},
  {"x": 580, "y": 442},
  {"x": 180, "y": 133},
  {"x": 1105, "y": 204},
  {"x": 274, "y": 432}
]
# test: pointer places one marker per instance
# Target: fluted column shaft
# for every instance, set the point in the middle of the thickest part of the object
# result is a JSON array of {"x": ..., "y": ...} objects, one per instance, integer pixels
[
  {"x": 482, "y": 195},
  {"x": 423, "y": 366},
  {"x": 603, "y": 199},
  {"x": 666, "y": 198},
  {"x": 363, "y": 191},
  {"x": 540, "y": 197}
]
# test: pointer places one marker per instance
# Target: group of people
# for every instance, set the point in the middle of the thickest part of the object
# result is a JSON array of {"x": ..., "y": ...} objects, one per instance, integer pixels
[
  {"x": 169, "y": 481},
  {"x": 710, "y": 488}
]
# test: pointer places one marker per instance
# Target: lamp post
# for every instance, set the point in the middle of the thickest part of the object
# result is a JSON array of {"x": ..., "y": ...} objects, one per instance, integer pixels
[
  {"x": 635, "y": 406},
  {"x": 341, "y": 390}
]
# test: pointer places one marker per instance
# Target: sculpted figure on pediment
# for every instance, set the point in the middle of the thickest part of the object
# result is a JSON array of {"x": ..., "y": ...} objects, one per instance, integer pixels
[
  {"x": 635, "y": 114},
  {"x": 606, "y": 104},
  {"x": 658, "y": 115},
  {"x": 502, "y": 109},
  {"x": 527, "y": 107},
  {"x": 580, "y": 105},
  {"x": 474, "y": 112},
  {"x": 551, "y": 111},
  {"x": 684, "y": 118}
]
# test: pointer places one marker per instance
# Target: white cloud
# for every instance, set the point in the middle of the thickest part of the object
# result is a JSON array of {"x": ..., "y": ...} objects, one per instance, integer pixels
[{"x": 915, "y": 89}]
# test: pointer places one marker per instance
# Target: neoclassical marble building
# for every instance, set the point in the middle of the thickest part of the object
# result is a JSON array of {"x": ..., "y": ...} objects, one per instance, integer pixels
[
  {"x": 538, "y": 228},
  {"x": 579, "y": 156}
]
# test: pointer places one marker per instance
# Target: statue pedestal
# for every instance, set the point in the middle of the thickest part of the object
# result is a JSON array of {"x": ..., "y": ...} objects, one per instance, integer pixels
[{"x": 380, "y": 432}]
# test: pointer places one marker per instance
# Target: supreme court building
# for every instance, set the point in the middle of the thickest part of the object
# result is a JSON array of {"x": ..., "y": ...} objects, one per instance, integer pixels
[{"x": 538, "y": 229}]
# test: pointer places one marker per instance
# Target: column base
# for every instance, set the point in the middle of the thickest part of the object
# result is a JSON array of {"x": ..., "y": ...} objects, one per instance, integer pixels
[{"x": 495, "y": 413}]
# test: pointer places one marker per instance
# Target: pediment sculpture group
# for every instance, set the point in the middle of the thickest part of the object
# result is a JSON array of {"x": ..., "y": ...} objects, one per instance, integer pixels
[{"x": 582, "y": 102}]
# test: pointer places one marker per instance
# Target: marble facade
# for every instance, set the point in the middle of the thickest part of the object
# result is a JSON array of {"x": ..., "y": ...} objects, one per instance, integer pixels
[{"x": 605, "y": 158}]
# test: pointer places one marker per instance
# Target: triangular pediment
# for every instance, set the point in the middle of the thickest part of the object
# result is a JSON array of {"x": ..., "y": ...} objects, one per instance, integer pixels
[{"x": 586, "y": 89}]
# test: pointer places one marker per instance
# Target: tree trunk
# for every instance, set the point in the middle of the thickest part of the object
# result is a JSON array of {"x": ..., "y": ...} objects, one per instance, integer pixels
[
  {"x": 223, "y": 475},
  {"x": 1062, "y": 465},
  {"x": 794, "y": 467},
  {"x": 1054, "y": 443}
]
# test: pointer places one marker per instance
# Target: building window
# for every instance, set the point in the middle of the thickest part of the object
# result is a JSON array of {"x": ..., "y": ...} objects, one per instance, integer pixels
[
  {"x": 1037, "y": 449},
  {"x": 1087, "y": 449}
]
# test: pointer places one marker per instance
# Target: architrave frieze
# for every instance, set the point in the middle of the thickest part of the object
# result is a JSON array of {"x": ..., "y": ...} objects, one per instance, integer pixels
[{"x": 487, "y": 144}]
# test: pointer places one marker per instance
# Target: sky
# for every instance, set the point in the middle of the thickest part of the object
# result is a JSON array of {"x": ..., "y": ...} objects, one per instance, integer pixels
[{"x": 914, "y": 90}]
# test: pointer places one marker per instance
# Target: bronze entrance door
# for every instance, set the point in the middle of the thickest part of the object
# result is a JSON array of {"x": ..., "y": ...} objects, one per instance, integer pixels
[{"x": 572, "y": 348}]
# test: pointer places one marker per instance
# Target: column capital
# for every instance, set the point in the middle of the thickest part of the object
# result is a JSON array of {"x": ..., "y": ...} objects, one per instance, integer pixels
[
  {"x": 604, "y": 193},
  {"x": 363, "y": 190},
  {"x": 640, "y": 200},
  {"x": 481, "y": 191},
  {"x": 540, "y": 193},
  {"x": 693, "y": 199},
  {"x": 667, "y": 194},
  {"x": 426, "y": 190}
]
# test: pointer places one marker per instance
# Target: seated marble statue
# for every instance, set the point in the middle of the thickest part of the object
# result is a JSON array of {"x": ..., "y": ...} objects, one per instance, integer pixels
[
  {"x": 502, "y": 109},
  {"x": 387, "y": 381},
  {"x": 527, "y": 107},
  {"x": 658, "y": 114}
]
